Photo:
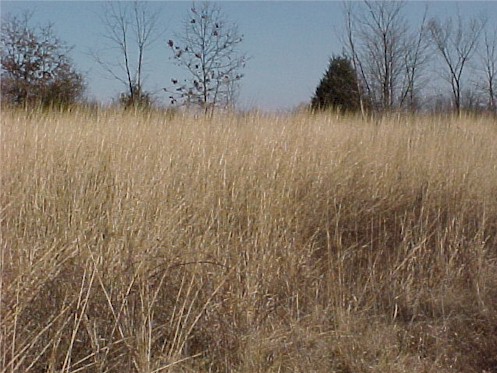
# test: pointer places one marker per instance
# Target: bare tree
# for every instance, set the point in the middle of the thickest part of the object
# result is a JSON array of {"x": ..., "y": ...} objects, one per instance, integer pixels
[
  {"x": 455, "y": 42},
  {"x": 488, "y": 67},
  {"x": 374, "y": 32},
  {"x": 131, "y": 28},
  {"x": 208, "y": 50},
  {"x": 36, "y": 68},
  {"x": 388, "y": 57},
  {"x": 351, "y": 51},
  {"x": 382, "y": 32},
  {"x": 416, "y": 58}
]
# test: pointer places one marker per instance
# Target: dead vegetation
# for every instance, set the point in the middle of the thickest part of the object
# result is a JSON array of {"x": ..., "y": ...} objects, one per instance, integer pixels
[{"x": 140, "y": 243}]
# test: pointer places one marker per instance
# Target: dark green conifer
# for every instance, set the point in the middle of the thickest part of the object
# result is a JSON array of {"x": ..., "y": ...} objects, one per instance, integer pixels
[{"x": 338, "y": 88}]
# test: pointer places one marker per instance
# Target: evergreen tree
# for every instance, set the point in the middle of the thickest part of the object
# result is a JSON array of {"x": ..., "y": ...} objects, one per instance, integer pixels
[{"x": 338, "y": 88}]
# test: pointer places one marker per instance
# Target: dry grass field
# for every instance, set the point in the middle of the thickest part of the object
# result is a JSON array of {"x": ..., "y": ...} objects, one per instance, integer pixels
[{"x": 141, "y": 242}]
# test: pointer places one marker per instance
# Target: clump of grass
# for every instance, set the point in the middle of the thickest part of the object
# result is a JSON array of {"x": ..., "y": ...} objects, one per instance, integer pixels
[{"x": 257, "y": 243}]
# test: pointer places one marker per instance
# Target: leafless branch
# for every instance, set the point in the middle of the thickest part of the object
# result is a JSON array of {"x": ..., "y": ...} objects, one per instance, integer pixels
[
  {"x": 131, "y": 29},
  {"x": 488, "y": 66},
  {"x": 455, "y": 41},
  {"x": 208, "y": 50},
  {"x": 386, "y": 56}
]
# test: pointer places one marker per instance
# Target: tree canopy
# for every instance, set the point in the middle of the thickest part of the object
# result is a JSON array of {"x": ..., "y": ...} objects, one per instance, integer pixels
[
  {"x": 36, "y": 68},
  {"x": 338, "y": 88}
]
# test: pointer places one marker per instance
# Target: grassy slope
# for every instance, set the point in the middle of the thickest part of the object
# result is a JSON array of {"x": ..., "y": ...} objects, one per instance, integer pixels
[{"x": 248, "y": 244}]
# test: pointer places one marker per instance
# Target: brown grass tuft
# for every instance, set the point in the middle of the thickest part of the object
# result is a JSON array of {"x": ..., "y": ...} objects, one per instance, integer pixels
[{"x": 257, "y": 243}]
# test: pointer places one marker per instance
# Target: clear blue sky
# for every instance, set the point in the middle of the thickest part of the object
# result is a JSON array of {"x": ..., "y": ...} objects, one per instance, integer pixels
[{"x": 289, "y": 42}]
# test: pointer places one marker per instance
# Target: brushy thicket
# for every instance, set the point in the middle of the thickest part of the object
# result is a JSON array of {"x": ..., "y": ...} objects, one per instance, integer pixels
[{"x": 135, "y": 242}]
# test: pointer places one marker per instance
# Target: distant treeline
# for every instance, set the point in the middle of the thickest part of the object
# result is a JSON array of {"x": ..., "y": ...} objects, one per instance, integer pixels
[{"x": 386, "y": 64}]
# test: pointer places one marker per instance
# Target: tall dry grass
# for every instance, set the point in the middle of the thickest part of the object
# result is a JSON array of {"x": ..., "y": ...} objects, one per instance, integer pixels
[{"x": 145, "y": 243}]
